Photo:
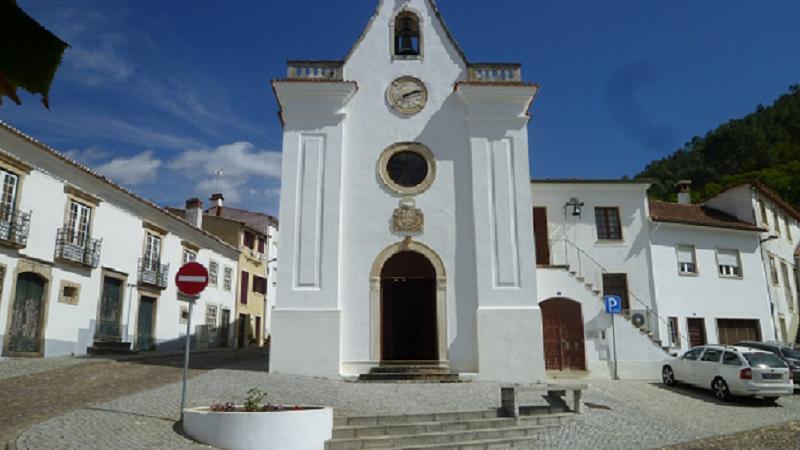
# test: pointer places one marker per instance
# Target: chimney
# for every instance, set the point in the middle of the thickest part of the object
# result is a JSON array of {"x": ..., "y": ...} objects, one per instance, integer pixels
[
  {"x": 684, "y": 192},
  {"x": 217, "y": 200},
  {"x": 194, "y": 212}
]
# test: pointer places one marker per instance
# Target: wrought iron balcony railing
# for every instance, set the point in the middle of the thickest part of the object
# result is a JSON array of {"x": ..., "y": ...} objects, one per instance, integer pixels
[
  {"x": 14, "y": 227},
  {"x": 153, "y": 273},
  {"x": 85, "y": 251}
]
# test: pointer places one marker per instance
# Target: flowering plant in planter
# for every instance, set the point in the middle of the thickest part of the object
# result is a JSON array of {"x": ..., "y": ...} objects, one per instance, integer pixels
[{"x": 253, "y": 403}]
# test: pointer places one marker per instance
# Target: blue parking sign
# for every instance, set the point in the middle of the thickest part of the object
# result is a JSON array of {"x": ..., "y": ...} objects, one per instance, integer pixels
[{"x": 613, "y": 304}]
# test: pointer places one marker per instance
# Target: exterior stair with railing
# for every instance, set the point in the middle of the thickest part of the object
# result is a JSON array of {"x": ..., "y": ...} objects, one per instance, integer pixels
[{"x": 450, "y": 430}]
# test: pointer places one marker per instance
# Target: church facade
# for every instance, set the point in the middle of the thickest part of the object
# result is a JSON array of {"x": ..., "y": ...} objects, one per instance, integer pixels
[{"x": 405, "y": 208}]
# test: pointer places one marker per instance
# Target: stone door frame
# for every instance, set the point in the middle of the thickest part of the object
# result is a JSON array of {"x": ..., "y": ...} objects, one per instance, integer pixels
[
  {"x": 46, "y": 272},
  {"x": 375, "y": 295}
]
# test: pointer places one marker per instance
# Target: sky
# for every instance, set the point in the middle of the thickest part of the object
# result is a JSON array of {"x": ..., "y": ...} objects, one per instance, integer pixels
[{"x": 163, "y": 95}]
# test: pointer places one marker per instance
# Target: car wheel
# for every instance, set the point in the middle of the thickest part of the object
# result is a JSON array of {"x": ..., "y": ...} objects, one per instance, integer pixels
[
  {"x": 721, "y": 391},
  {"x": 668, "y": 376}
]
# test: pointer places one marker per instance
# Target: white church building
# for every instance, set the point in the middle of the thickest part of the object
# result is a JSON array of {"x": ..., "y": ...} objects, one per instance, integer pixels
[{"x": 405, "y": 208}]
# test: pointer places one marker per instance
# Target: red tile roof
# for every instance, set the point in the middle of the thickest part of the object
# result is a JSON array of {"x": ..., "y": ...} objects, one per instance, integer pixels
[
  {"x": 255, "y": 220},
  {"x": 698, "y": 215}
]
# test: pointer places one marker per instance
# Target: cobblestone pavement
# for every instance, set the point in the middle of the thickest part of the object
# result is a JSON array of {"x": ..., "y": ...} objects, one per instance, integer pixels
[
  {"x": 618, "y": 415},
  {"x": 45, "y": 393},
  {"x": 17, "y": 367},
  {"x": 778, "y": 437}
]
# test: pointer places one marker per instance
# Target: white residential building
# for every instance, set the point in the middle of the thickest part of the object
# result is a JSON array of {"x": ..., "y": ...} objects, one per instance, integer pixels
[
  {"x": 86, "y": 263},
  {"x": 780, "y": 248},
  {"x": 687, "y": 274}
]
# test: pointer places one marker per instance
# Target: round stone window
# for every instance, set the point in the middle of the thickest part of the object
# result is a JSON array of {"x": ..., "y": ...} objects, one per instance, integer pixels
[{"x": 407, "y": 168}]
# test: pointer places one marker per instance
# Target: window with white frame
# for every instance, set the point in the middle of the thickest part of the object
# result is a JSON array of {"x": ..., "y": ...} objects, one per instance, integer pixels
[
  {"x": 189, "y": 256},
  {"x": 729, "y": 263},
  {"x": 80, "y": 219},
  {"x": 211, "y": 316},
  {"x": 687, "y": 262},
  {"x": 227, "y": 279},
  {"x": 777, "y": 222},
  {"x": 787, "y": 285},
  {"x": 8, "y": 197},
  {"x": 674, "y": 334},
  {"x": 213, "y": 272},
  {"x": 788, "y": 227},
  {"x": 773, "y": 270},
  {"x": 152, "y": 252},
  {"x": 764, "y": 215}
]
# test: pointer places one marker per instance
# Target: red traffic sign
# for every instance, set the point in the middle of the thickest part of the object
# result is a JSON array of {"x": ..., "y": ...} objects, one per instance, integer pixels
[{"x": 192, "y": 278}]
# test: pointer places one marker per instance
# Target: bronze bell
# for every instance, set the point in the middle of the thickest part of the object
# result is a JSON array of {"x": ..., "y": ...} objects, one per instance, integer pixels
[{"x": 406, "y": 38}]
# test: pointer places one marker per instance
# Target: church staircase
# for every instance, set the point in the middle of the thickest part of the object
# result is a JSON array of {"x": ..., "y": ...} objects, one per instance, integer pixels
[
  {"x": 410, "y": 372},
  {"x": 451, "y": 430},
  {"x": 114, "y": 347}
]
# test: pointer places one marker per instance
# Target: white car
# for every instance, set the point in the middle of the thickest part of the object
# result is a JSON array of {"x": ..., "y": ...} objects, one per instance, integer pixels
[{"x": 731, "y": 371}]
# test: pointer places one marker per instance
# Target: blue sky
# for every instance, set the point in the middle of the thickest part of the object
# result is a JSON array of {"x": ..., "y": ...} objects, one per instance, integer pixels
[{"x": 159, "y": 95}]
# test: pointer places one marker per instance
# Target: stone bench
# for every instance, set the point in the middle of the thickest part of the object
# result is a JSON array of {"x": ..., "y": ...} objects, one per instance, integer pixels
[{"x": 509, "y": 400}]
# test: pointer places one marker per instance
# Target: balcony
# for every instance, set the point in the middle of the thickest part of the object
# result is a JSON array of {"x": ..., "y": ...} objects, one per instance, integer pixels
[
  {"x": 153, "y": 273},
  {"x": 74, "y": 249},
  {"x": 315, "y": 70},
  {"x": 503, "y": 73},
  {"x": 14, "y": 227}
]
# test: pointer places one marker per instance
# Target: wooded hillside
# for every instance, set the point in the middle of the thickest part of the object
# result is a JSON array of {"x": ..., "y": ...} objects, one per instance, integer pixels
[{"x": 764, "y": 145}]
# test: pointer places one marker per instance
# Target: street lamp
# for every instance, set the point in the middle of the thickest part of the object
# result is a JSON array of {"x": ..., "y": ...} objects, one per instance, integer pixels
[{"x": 577, "y": 206}]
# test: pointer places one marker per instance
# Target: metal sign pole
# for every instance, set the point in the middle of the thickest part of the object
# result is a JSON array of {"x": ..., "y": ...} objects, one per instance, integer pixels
[
  {"x": 614, "y": 339},
  {"x": 186, "y": 357}
]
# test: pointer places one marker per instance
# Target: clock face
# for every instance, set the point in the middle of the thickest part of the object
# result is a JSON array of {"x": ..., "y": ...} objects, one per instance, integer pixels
[{"x": 407, "y": 95}]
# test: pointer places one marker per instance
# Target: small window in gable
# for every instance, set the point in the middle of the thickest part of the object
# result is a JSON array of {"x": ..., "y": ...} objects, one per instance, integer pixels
[{"x": 407, "y": 38}]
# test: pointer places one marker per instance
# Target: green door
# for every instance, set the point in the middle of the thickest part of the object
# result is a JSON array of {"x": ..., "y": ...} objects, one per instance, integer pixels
[
  {"x": 145, "y": 325},
  {"x": 110, "y": 309},
  {"x": 26, "y": 333}
]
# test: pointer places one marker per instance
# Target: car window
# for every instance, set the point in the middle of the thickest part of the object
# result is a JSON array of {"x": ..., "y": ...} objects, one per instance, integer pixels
[
  {"x": 767, "y": 360},
  {"x": 790, "y": 353},
  {"x": 693, "y": 354},
  {"x": 712, "y": 355},
  {"x": 731, "y": 359}
]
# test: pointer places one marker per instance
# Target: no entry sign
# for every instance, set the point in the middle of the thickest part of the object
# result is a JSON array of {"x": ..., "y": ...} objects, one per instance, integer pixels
[{"x": 192, "y": 278}]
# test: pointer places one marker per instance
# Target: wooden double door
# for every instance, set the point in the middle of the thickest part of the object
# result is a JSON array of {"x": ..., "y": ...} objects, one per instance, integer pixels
[
  {"x": 408, "y": 309},
  {"x": 27, "y": 315},
  {"x": 564, "y": 344}
]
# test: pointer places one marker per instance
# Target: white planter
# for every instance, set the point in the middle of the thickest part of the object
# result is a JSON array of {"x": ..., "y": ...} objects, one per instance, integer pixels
[{"x": 284, "y": 430}]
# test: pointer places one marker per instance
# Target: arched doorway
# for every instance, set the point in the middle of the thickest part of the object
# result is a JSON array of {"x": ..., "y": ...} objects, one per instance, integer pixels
[
  {"x": 27, "y": 314},
  {"x": 562, "y": 323},
  {"x": 408, "y": 309}
]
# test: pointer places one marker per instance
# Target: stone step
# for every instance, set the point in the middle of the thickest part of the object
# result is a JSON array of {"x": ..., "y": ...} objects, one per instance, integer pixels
[
  {"x": 340, "y": 421},
  {"x": 444, "y": 438},
  {"x": 354, "y": 432},
  {"x": 110, "y": 348},
  {"x": 410, "y": 377},
  {"x": 411, "y": 369},
  {"x": 485, "y": 444}
]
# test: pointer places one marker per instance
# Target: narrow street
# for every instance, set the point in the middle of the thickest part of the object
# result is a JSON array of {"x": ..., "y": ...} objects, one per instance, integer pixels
[{"x": 30, "y": 399}]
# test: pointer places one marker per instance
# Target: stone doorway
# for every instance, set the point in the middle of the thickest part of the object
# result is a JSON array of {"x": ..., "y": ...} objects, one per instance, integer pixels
[
  {"x": 108, "y": 325},
  {"x": 408, "y": 309},
  {"x": 145, "y": 324},
  {"x": 564, "y": 344},
  {"x": 27, "y": 319}
]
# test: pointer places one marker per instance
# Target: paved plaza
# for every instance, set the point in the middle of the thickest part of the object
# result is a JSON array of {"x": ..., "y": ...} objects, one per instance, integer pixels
[{"x": 618, "y": 415}]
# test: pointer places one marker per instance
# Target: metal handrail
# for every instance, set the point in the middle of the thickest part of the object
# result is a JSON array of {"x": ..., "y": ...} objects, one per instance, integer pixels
[{"x": 631, "y": 294}]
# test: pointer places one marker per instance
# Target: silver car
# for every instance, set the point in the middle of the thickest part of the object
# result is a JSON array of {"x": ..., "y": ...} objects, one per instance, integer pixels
[{"x": 731, "y": 371}]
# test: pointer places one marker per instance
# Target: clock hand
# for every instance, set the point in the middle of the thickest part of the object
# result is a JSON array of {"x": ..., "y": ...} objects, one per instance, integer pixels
[{"x": 412, "y": 93}]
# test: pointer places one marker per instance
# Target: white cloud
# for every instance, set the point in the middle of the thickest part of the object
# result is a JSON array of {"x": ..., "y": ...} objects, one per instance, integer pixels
[
  {"x": 237, "y": 160},
  {"x": 142, "y": 168},
  {"x": 93, "y": 66},
  {"x": 246, "y": 172},
  {"x": 88, "y": 155}
]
